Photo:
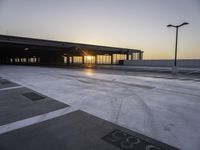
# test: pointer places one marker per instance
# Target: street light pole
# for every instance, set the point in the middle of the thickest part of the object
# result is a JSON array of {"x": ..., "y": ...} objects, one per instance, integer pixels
[
  {"x": 176, "y": 44},
  {"x": 176, "y": 47}
]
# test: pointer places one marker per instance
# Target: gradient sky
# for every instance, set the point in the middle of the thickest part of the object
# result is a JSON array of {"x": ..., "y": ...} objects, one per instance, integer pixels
[{"x": 139, "y": 24}]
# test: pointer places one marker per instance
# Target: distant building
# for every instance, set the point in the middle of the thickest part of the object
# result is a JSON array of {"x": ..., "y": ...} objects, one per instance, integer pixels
[{"x": 21, "y": 50}]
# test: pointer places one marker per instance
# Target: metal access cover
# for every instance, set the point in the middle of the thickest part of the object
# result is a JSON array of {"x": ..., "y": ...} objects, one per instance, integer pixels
[
  {"x": 125, "y": 141},
  {"x": 33, "y": 96}
]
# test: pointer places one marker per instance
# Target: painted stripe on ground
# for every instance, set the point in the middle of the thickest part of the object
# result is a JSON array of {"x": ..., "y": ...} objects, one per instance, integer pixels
[
  {"x": 10, "y": 88},
  {"x": 36, "y": 119}
]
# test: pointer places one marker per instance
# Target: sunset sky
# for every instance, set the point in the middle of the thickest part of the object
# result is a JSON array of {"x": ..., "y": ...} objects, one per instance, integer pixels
[{"x": 137, "y": 24}]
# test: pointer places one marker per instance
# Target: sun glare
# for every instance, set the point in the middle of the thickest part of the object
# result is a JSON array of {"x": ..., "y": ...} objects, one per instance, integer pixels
[
  {"x": 89, "y": 72},
  {"x": 89, "y": 57}
]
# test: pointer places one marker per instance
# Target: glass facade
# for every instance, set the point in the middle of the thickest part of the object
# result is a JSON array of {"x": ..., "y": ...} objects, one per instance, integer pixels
[
  {"x": 65, "y": 59},
  {"x": 24, "y": 60},
  {"x": 17, "y": 60},
  {"x": 117, "y": 57},
  {"x": 103, "y": 59},
  {"x": 89, "y": 59},
  {"x": 77, "y": 59},
  {"x": 32, "y": 60}
]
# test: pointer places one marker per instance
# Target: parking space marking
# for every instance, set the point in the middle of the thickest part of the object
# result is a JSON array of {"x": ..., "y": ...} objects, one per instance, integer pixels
[
  {"x": 10, "y": 88},
  {"x": 34, "y": 120}
]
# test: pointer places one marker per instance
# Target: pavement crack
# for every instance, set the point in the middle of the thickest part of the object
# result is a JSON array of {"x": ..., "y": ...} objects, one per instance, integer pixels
[{"x": 119, "y": 111}]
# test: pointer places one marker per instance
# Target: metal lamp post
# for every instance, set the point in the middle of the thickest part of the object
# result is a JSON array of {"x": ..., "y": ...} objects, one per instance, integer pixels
[{"x": 177, "y": 27}]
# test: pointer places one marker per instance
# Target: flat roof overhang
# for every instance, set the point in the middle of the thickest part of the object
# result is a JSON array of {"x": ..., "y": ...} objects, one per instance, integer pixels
[{"x": 17, "y": 43}]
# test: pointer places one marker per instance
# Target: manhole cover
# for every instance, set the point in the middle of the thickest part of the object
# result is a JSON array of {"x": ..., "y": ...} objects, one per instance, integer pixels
[
  {"x": 125, "y": 141},
  {"x": 33, "y": 96}
]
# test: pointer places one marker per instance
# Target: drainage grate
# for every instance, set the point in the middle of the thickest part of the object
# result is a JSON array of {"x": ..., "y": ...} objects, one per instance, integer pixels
[
  {"x": 33, "y": 96},
  {"x": 125, "y": 141}
]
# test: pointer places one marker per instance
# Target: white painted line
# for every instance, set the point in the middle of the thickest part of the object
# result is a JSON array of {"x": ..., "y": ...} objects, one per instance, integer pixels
[
  {"x": 10, "y": 88},
  {"x": 34, "y": 120}
]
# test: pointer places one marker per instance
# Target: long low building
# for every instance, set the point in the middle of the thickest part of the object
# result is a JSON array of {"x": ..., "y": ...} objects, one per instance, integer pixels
[{"x": 21, "y": 50}]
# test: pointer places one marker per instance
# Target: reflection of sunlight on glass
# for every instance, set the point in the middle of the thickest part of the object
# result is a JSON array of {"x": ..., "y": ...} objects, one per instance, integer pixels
[
  {"x": 89, "y": 72},
  {"x": 89, "y": 57}
]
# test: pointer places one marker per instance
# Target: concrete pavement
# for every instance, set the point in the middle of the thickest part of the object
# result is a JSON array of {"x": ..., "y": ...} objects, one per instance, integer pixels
[{"x": 163, "y": 109}]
